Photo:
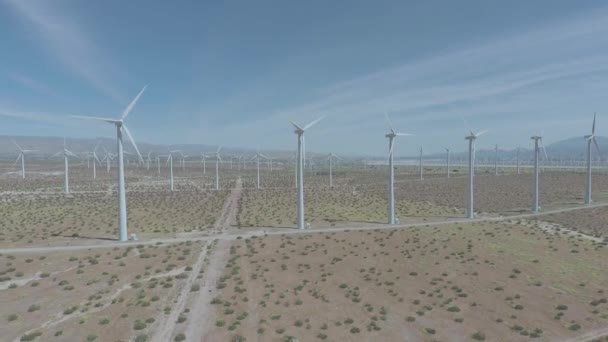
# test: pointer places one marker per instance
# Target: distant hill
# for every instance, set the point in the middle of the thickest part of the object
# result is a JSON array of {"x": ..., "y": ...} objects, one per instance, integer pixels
[
  {"x": 571, "y": 148},
  {"x": 47, "y": 146},
  {"x": 567, "y": 149}
]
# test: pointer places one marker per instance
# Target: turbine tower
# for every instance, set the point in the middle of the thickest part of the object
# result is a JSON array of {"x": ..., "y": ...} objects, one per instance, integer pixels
[
  {"x": 421, "y": 167},
  {"x": 518, "y": 160},
  {"x": 330, "y": 157},
  {"x": 21, "y": 156},
  {"x": 66, "y": 153},
  {"x": 471, "y": 138},
  {"x": 218, "y": 159},
  {"x": 257, "y": 157},
  {"x": 538, "y": 139},
  {"x": 590, "y": 138},
  {"x": 496, "y": 160},
  {"x": 203, "y": 162},
  {"x": 447, "y": 161},
  {"x": 300, "y": 169},
  {"x": 391, "y": 177},
  {"x": 93, "y": 155},
  {"x": 120, "y": 128},
  {"x": 170, "y": 162}
]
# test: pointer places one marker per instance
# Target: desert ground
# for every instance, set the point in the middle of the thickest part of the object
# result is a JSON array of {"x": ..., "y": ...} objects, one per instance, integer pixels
[{"x": 228, "y": 265}]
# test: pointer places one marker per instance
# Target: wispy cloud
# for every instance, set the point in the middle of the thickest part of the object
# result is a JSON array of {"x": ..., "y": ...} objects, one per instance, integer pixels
[
  {"x": 69, "y": 43},
  {"x": 462, "y": 78},
  {"x": 541, "y": 74}
]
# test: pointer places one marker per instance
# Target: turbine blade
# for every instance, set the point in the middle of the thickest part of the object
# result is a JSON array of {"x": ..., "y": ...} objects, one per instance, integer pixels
[
  {"x": 593, "y": 126},
  {"x": 219, "y": 149},
  {"x": 403, "y": 134},
  {"x": 57, "y": 154},
  {"x": 96, "y": 118},
  {"x": 18, "y": 157},
  {"x": 124, "y": 127},
  {"x": 597, "y": 146},
  {"x": 542, "y": 145},
  {"x": 296, "y": 126},
  {"x": 480, "y": 133},
  {"x": 388, "y": 120},
  {"x": 132, "y": 104},
  {"x": 19, "y": 147},
  {"x": 314, "y": 122}
]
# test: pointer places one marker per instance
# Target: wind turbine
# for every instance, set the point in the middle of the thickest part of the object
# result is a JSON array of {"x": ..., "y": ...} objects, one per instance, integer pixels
[
  {"x": 590, "y": 138},
  {"x": 203, "y": 162},
  {"x": 471, "y": 138},
  {"x": 120, "y": 128},
  {"x": 421, "y": 167},
  {"x": 538, "y": 139},
  {"x": 300, "y": 168},
  {"x": 447, "y": 161},
  {"x": 66, "y": 153},
  {"x": 518, "y": 160},
  {"x": 391, "y": 178},
  {"x": 21, "y": 156},
  {"x": 170, "y": 162},
  {"x": 93, "y": 155},
  {"x": 330, "y": 157},
  {"x": 218, "y": 159},
  {"x": 257, "y": 157},
  {"x": 148, "y": 161},
  {"x": 496, "y": 160}
]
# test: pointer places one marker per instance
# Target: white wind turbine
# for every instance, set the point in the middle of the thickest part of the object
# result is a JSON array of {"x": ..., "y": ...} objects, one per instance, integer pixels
[
  {"x": 300, "y": 168},
  {"x": 21, "y": 156},
  {"x": 203, "y": 162},
  {"x": 66, "y": 153},
  {"x": 447, "y": 161},
  {"x": 148, "y": 161},
  {"x": 391, "y": 178},
  {"x": 421, "y": 166},
  {"x": 93, "y": 155},
  {"x": 330, "y": 157},
  {"x": 538, "y": 140},
  {"x": 471, "y": 138},
  {"x": 590, "y": 138},
  {"x": 518, "y": 160},
  {"x": 257, "y": 157},
  {"x": 218, "y": 159},
  {"x": 170, "y": 162},
  {"x": 120, "y": 127},
  {"x": 496, "y": 160}
]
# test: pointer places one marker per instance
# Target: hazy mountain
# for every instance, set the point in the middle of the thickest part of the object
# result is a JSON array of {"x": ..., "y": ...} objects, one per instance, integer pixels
[{"x": 571, "y": 148}]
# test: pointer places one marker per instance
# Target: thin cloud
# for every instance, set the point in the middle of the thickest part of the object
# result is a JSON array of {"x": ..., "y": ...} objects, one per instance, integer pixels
[{"x": 68, "y": 43}]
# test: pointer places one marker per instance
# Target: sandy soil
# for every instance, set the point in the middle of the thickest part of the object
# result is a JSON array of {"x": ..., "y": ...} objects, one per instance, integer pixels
[{"x": 502, "y": 281}]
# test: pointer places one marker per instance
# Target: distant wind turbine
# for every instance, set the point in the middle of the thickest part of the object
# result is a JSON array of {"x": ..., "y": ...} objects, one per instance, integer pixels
[
  {"x": 471, "y": 138},
  {"x": 538, "y": 140},
  {"x": 590, "y": 138},
  {"x": 257, "y": 157},
  {"x": 421, "y": 166},
  {"x": 447, "y": 161},
  {"x": 170, "y": 162},
  {"x": 21, "y": 156},
  {"x": 120, "y": 128},
  {"x": 496, "y": 160},
  {"x": 93, "y": 155},
  {"x": 330, "y": 157},
  {"x": 218, "y": 159},
  {"x": 300, "y": 168},
  {"x": 66, "y": 153},
  {"x": 391, "y": 178}
]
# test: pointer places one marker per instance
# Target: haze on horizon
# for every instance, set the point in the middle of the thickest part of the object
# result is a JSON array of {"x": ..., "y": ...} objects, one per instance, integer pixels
[{"x": 234, "y": 74}]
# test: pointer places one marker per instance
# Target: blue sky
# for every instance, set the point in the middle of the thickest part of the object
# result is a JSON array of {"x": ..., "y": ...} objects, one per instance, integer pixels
[{"x": 233, "y": 73}]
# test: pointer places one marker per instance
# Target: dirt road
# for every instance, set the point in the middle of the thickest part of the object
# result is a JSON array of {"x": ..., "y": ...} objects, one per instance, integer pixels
[{"x": 199, "y": 301}]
